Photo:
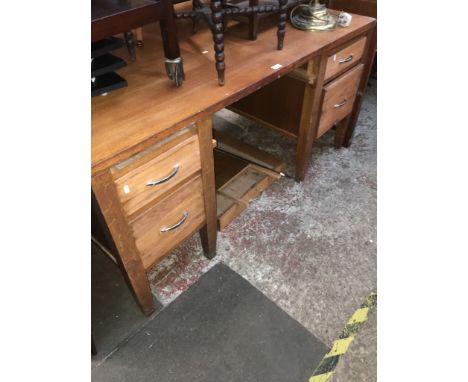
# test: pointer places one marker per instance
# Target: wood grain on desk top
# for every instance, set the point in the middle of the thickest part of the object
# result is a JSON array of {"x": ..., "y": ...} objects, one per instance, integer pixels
[{"x": 151, "y": 107}]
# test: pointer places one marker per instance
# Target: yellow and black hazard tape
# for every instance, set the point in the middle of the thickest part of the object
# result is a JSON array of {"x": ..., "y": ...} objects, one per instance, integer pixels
[{"x": 327, "y": 365}]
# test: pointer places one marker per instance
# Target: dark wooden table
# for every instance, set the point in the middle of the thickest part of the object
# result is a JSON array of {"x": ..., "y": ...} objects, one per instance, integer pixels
[{"x": 110, "y": 17}]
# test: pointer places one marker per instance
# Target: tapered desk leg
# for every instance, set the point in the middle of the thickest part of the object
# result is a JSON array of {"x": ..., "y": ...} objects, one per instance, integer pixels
[
  {"x": 350, "y": 123},
  {"x": 283, "y": 9},
  {"x": 93, "y": 346},
  {"x": 208, "y": 240},
  {"x": 218, "y": 37},
  {"x": 308, "y": 125},
  {"x": 341, "y": 131},
  {"x": 174, "y": 63},
  {"x": 209, "y": 232},
  {"x": 109, "y": 212}
]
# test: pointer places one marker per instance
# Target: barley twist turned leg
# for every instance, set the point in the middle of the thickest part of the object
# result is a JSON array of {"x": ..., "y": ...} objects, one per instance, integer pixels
[
  {"x": 282, "y": 22},
  {"x": 218, "y": 37}
]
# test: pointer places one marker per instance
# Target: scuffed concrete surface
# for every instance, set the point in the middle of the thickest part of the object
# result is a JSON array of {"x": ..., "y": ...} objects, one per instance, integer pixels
[{"x": 309, "y": 247}]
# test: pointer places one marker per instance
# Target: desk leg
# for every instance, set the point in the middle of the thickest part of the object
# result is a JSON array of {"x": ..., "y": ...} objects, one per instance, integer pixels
[
  {"x": 340, "y": 133},
  {"x": 209, "y": 231},
  {"x": 353, "y": 117},
  {"x": 109, "y": 211},
  {"x": 93, "y": 346},
  {"x": 309, "y": 117}
]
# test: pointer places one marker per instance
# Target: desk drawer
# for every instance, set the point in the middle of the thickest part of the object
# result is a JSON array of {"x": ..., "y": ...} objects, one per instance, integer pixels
[
  {"x": 152, "y": 179},
  {"x": 166, "y": 224},
  {"x": 338, "y": 98},
  {"x": 345, "y": 58}
]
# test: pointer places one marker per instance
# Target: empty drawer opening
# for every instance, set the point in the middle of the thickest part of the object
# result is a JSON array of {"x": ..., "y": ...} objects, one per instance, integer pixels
[{"x": 242, "y": 172}]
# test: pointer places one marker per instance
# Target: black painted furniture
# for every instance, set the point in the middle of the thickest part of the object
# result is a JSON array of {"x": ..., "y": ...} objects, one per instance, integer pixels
[
  {"x": 111, "y": 17},
  {"x": 215, "y": 14}
]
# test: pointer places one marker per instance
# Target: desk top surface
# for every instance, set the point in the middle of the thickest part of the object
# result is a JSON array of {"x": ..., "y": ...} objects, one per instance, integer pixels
[{"x": 131, "y": 119}]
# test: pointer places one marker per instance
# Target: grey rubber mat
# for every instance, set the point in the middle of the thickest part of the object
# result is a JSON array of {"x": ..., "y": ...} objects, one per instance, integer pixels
[
  {"x": 115, "y": 314},
  {"x": 222, "y": 329}
]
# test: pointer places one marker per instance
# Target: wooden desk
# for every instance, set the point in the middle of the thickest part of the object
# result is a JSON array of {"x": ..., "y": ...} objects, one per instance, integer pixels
[{"x": 141, "y": 132}]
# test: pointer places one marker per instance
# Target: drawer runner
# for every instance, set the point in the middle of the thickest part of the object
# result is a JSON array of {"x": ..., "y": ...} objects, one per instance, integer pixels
[{"x": 242, "y": 173}]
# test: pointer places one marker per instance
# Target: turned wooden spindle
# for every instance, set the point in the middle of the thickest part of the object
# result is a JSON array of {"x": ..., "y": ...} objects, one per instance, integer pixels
[
  {"x": 218, "y": 37},
  {"x": 219, "y": 10},
  {"x": 130, "y": 42},
  {"x": 283, "y": 9}
]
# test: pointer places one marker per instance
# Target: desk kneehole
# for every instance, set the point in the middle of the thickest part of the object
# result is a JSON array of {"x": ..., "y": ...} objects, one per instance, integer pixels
[
  {"x": 242, "y": 173},
  {"x": 161, "y": 228}
]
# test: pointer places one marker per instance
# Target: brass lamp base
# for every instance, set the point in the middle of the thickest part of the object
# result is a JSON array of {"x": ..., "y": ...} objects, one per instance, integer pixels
[{"x": 312, "y": 17}]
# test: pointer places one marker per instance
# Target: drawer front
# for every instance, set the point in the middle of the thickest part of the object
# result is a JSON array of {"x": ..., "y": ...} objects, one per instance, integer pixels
[
  {"x": 338, "y": 98},
  {"x": 170, "y": 221},
  {"x": 152, "y": 179},
  {"x": 345, "y": 58}
]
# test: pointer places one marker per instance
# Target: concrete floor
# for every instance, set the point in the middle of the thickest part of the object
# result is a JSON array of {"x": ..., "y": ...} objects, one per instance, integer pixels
[{"x": 309, "y": 247}]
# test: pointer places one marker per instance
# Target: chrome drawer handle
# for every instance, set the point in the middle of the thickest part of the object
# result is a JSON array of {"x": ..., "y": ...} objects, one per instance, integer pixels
[
  {"x": 166, "y": 178},
  {"x": 340, "y": 104},
  {"x": 176, "y": 225},
  {"x": 350, "y": 57}
]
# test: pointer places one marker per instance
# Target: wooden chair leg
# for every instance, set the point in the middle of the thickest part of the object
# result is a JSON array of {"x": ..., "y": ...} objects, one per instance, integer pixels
[
  {"x": 130, "y": 42},
  {"x": 218, "y": 38},
  {"x": 174, "y": 64},
  {"x": 139, "y": 37},
  {"x": 283, "y": 9},
  {"x": 253, "y": 21},
  {"x": 195, "y": 19},
  {"x": 194, "y": 24},
  {"x": 253, "y": 26}
]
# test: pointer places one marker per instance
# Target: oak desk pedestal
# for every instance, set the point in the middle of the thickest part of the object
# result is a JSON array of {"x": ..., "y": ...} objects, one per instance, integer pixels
[
  {"x": 153, "y": 170},
  {"x": 152, "y": 201},
  {"x": 325, "y": 92}
]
